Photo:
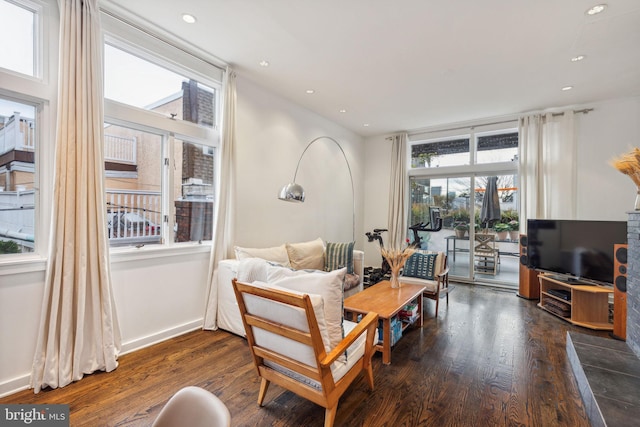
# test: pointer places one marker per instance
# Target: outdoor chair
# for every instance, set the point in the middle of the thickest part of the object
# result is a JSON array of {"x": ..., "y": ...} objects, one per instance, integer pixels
[
  {"x": 485, "y": 254},
  {"x": 428, "y": 269},
  {"x": 286, "y": 333}
]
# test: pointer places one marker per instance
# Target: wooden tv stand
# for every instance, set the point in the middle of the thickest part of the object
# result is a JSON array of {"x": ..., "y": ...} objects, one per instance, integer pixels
[{"x": 583, "y": 305}]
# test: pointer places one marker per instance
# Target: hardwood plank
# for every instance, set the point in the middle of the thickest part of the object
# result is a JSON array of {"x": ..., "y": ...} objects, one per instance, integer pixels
[{"x": 490, "y": 358}]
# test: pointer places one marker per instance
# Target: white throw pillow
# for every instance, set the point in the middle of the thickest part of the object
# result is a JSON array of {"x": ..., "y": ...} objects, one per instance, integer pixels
[
  {"x": 306, "y": 255},
  {"x": 276, "y": 254},
  {"x": 329, "y": 286},
  {"x": 252, "y": 269}
]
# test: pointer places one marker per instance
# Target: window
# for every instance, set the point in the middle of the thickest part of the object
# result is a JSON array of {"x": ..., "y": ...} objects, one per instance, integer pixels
[
  {"x": 497, "y": 147},
  {"x": 140, "y": 83},
  {"x": 25, "y": 123},
  {"x": 436, "y": 153},
  {"x": 17, "y": 176},
  {"x": 160, "y": 146},
  {"x": 194, "y": 184},
  {"x": 18, "y": 31},
  {"x": 133, "y": 185}
]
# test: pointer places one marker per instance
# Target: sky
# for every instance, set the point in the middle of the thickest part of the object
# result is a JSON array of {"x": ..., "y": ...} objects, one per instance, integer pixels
[
  {"x": 129, "y": 79},
  {"x": 16, "y": 25}
]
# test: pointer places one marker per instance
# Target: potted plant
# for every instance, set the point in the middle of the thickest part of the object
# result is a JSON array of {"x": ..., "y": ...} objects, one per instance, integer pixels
[
  {"x": 460, "y": 230},
  {"x": 502, "y": 230},
  {"x": 514, "y": 229}
]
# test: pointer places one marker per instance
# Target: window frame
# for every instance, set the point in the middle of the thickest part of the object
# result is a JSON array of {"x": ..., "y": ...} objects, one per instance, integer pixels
[
  {"x": 40, "y": 91},
  {"x": 154, "y": 122}
]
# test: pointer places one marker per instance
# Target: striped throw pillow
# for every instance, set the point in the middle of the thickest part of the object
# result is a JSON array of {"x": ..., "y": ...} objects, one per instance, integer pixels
[{"x": 339, "y": 255}]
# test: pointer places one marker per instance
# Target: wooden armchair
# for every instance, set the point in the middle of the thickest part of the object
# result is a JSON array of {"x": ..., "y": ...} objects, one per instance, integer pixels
[
  {"x": 436, "y": 282},
  {"x": 286, "y": 335}
]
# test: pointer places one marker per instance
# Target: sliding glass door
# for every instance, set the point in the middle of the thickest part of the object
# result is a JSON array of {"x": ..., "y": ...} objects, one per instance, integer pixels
[
  {"x": 472, "y": 211},
  {"x": 469, "y": 178}
]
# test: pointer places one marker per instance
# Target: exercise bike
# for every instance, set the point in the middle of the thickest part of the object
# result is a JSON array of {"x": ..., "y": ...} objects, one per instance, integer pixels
[{"x": 378, "y": 274}]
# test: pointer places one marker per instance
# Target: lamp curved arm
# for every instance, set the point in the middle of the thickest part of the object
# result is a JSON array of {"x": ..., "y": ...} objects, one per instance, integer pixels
[{"x": 353, "y": 193}]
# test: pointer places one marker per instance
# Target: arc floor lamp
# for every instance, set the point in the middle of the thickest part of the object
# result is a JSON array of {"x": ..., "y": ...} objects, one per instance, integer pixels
[{"x": 293, "y": 192}]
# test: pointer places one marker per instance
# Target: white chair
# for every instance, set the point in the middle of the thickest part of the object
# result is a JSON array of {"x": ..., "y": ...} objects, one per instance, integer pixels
[{"x": 193, "y": 407}]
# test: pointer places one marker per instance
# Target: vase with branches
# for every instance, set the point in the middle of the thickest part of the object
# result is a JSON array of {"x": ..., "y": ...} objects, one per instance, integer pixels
[
  {"x": 396, "y": 257},
  {"x": 629, "y": 164}
]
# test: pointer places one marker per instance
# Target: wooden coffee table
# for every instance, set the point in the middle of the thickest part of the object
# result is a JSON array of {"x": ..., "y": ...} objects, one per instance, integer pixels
[{"x": 381, "y": 298}]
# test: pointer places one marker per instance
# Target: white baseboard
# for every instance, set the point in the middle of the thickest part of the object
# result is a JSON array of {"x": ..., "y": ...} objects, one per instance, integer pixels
[
  {"x": 158, "y": 337},
  {"x": 15, "y": 385},
  {"x": 22, "y": 382}
]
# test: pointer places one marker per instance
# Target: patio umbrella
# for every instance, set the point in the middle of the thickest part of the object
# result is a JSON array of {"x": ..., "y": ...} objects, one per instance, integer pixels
[{"x": 490, "y": 203}]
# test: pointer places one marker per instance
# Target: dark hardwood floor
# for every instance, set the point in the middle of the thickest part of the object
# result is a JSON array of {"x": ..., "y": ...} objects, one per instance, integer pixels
[{"x": 489, "y": 359}]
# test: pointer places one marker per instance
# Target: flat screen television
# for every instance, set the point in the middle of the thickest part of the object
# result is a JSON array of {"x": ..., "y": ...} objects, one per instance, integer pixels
[{"x": 577, "y": 249}]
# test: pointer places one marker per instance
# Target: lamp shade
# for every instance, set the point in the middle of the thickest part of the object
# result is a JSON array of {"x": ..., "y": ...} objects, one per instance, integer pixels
[{"x": 292, "y": 192}]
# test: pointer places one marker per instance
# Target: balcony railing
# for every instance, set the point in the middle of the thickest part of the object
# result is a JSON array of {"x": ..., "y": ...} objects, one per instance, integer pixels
[
  {"x": 17, "y": 217},
  {"x": 17, "y": 134},
  {"x": 133, "y": 217},
  {"x": 120, "y": 149}
]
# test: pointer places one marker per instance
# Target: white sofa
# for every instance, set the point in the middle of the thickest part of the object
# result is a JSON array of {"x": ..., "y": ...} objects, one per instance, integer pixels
[{"x": 228, "y": 316}]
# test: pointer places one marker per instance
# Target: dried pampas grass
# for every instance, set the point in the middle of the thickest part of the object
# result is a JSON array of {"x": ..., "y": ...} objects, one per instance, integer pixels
[
  {"x": 629, "y": 164},
  {"x": 397, "y": 257}
]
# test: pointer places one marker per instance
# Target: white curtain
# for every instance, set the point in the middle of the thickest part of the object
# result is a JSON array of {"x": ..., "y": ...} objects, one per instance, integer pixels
[
  {"x": 397, "y": 219},
  {"x": 548, "y": 166},
  {"x": 79, "y": 331},
  {"x": 222, "y": 236}
]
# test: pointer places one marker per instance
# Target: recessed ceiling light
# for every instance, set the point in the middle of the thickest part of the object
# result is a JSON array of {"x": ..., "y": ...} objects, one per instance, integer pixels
[
  {"x": 343, "y": 111},
  {"x": 578, "y": 58},
  {"x": 567, "y": 88},
  {"x": 264, "y": 63},
  {"x": 188, "y": 18},
  {"x": 596, "y": 9},
  {"x": 366, "y": 125},
  {"x": 310, "y": 91}
]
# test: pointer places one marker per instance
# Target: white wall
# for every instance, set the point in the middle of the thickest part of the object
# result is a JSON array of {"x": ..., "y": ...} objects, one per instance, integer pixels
[
  {"x": 272, "y": 135},
  {"x": 160, "y": 293},
  {"x": 613, "y": 128},
  {"x": 376, "y": 200}
]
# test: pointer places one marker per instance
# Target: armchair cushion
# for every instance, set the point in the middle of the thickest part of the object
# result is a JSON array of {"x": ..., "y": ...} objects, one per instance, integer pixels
[
  {"x": 420, "y": 265},
  {"x": 306, "y": 255},
  {"x": 296, "y": 317},
  {"x": 338, "y": 368},
  {"x": 326, "y": 284},
  {"x": 430, "y": 286}
]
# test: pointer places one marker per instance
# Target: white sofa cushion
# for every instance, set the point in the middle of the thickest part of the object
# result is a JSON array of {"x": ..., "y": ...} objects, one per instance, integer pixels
[
  {"x": 277, "y": 254},
  {"x": 306, "y": 255}
]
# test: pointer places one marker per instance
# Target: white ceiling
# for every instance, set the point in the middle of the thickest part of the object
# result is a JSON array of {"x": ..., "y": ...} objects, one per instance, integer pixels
[{"x": 410, "y": 64}]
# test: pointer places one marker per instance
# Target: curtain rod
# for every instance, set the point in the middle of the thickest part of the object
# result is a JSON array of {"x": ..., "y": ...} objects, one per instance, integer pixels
[
  {"x": 161, "y": 39},
  {"x": 582, "y": 111}
]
